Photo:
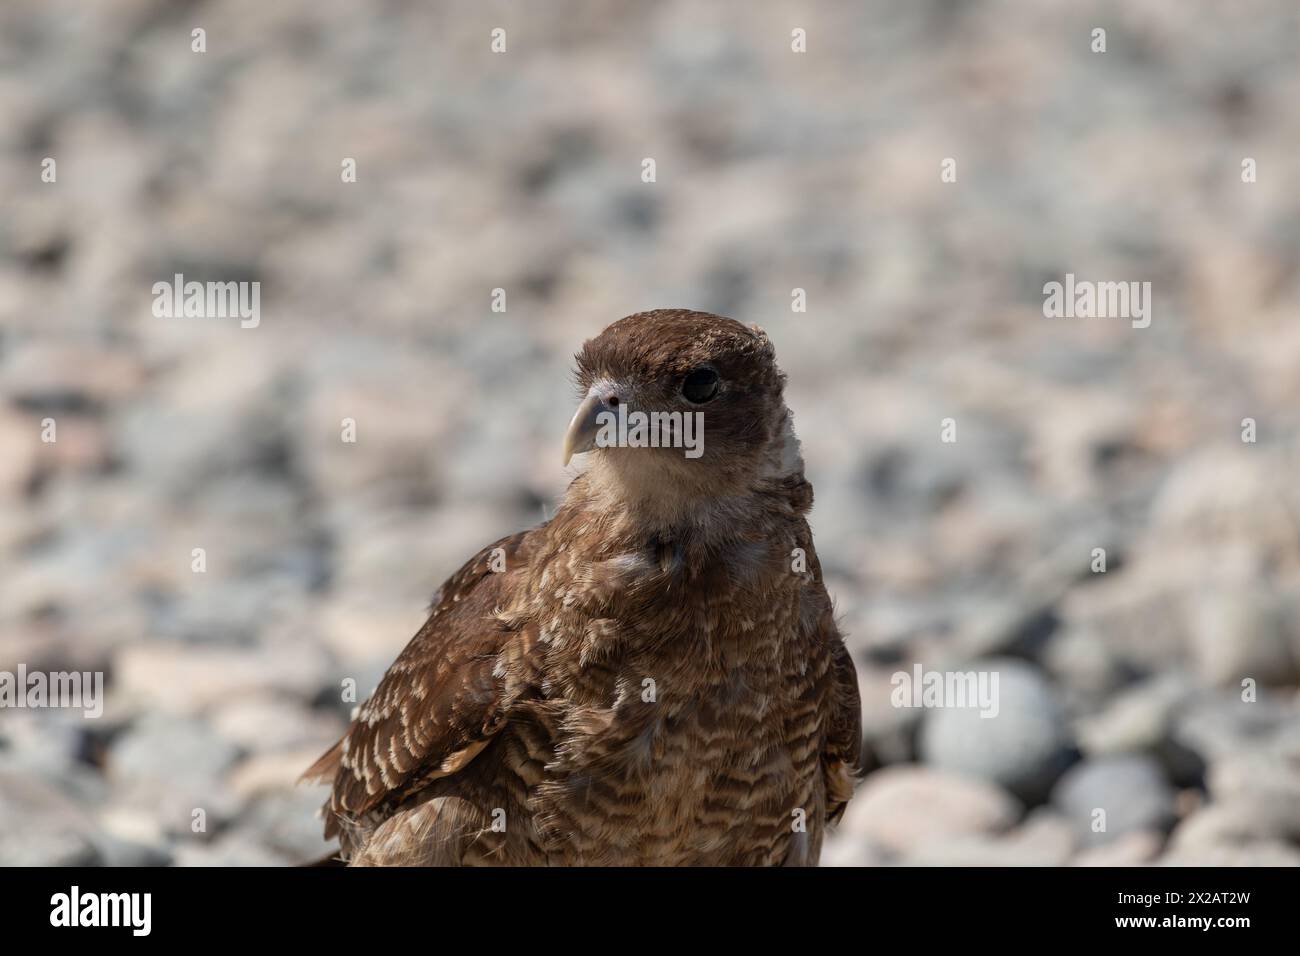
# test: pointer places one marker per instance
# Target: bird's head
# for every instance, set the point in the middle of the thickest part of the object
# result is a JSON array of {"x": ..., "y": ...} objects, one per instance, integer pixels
[{"x": 683, "y": 404}]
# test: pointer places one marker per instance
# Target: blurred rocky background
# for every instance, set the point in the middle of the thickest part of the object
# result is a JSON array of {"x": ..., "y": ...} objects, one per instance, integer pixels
[{"x": 776, "y": 171}]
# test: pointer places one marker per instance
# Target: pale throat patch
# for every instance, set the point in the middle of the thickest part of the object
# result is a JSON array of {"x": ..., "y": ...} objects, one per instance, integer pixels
[{"x": 789, "y": 454}]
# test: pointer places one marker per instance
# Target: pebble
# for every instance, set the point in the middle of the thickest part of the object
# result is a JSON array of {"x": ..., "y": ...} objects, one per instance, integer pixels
[
  {"x": 1043, "y": 839},
  {"x": 41, "y": 826},
  {"x": 900, "y": 808},
  {"x": 1135, "y": 848},
  {"x": 1241, "y": 633},
  {"x": 1023, "y": 748},
  {"x": 1107, "y": 798}
]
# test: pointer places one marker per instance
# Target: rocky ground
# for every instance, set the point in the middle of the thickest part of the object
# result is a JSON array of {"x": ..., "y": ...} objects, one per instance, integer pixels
[{"x": 775, "y": 170}]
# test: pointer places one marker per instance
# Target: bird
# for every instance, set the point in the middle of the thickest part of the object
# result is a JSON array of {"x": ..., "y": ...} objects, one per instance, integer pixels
[{"x": 652, "y": 677}]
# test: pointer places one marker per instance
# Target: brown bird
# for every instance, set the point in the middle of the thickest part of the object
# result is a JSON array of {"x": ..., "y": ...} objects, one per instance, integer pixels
[{"x": 653, "y": 676}]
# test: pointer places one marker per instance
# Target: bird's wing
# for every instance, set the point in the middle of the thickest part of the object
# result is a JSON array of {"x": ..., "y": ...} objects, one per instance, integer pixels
[
  {"x": 841, "y": 755},
  {"x": 842, "y": 740},
  {"x": 442, "y": 700}
]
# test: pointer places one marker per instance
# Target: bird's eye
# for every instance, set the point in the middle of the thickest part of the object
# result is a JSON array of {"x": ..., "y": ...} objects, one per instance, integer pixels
[{"x": 700, "y": 386}]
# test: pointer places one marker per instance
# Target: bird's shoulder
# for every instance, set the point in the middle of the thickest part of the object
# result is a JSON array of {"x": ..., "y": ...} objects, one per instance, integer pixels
[{"x": 446, "y": 694}]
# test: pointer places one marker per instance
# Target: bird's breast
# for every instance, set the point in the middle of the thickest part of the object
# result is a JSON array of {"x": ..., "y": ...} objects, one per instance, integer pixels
[{"x": 682, "y": 763}]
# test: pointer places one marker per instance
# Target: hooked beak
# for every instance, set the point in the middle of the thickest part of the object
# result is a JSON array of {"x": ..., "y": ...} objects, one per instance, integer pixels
[{"x": 581, "y": 435}]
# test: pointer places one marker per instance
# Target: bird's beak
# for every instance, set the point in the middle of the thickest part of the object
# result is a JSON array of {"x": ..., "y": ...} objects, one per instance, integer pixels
[{"x": 581, "y": 435}]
